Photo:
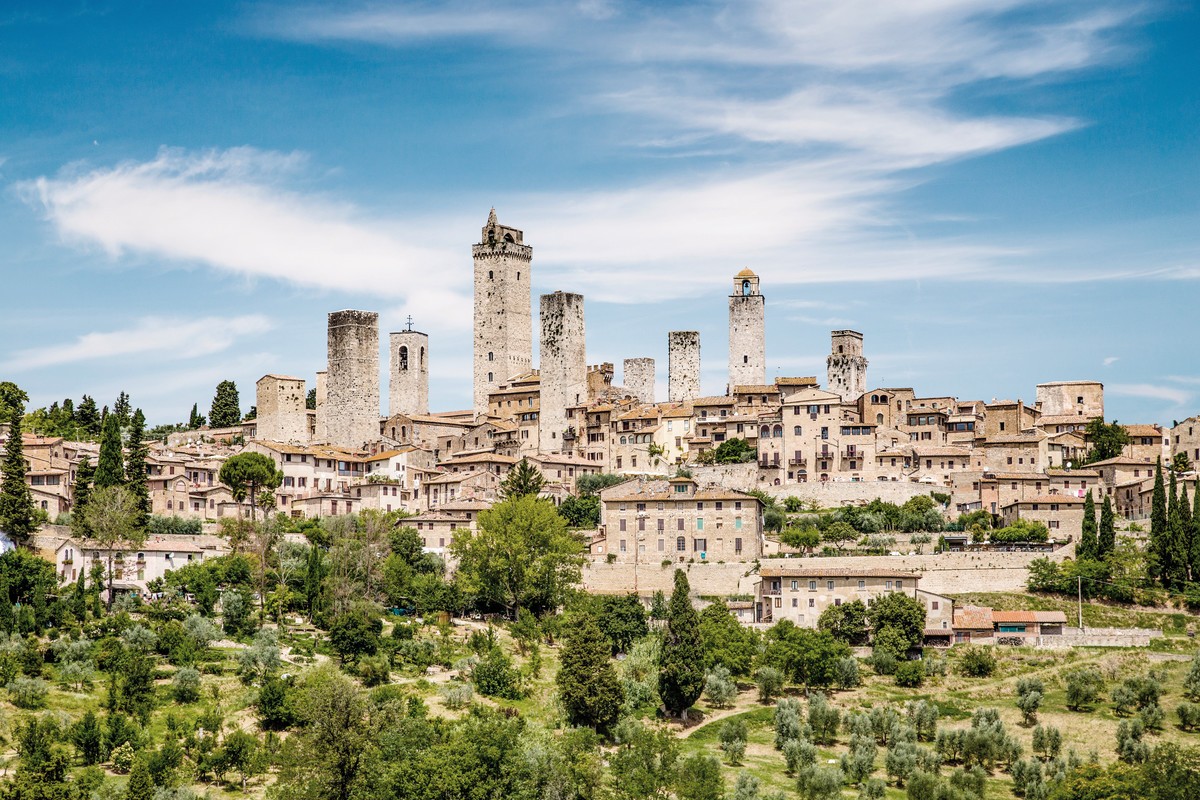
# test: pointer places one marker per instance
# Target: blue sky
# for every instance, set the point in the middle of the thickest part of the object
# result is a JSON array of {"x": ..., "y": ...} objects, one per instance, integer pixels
[{"x": 994, "y": 194}]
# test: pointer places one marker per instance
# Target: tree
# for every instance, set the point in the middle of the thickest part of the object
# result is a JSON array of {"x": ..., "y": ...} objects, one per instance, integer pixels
[
  {"x": 196, "y": 419},
  {"x": 140, "y": 786},
  {"x": 246, "y": 473},
  {"x": 581, "y": 512},
  {"x": 17, "y": 517},
  {"x": 700, "y": 779},
  {"x": 328, "y": 753},
  {"x": 801, "y": 538},
  {"x": 356, "y": 631},
  {"x": 310, "y": 399},
  {"x": 847, "y": 622},
  {"x": 111, "y": 518},
  {"x": 1159, "y": 549},
  {"x": 522, "y": 480},
  {"x": 110, "y": 471},
  {"x": 135, "y": 467},
  {"x": 726, "y": 642},
  {"x": 1084, "y": 686},
  {"x": 1088, "y": 548},
  {"x": 521, "y": 556},
  {"x": 80, "y": 492},
  {"x": 87, "y": 416},
  {"x": 838, "y": 533},
  {"x": 588, "y": 485},
  {"x": 226, "y": 411},
  {"x": 681, "y": 660},
  {"x": 588, "y": 685},
  {"x": 121, "y": 409},
  {"x": 734, "y": 451},
  {"x": 898, "y": 610},
  {"x": 239, "y": 752},
  {"x": 807, "y": 657},
  {"x": 1107, "y": 441},
  {"x": 1106, "y": 542},
  {"x": 622, "y": 620}
]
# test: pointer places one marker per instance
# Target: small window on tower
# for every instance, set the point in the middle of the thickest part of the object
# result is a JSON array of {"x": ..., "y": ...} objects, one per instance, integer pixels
[
  {"x": 518, "y": 276},
  {"x": 403, "y": 358},
  {"x": 491, "y": 356},
  {"x": 490, "y": 377},
  {"x": 490, "y": 274},
  {"x": 745, "y": 359}
]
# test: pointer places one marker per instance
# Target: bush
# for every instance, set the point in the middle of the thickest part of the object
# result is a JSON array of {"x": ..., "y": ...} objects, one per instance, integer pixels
[
  {"x": 494, "y": 676},
  {"x": 185, "y": 686},
  {"x": 1084, "y": 686},
  {"x": 846, "y": 673},
  {"x": 978, "y": 662},
  {"x": 770, "y": 683},
  {"x": 720, "y": 690},
  {"x": 733, "y": 740},
  {"x": 28, "y": 693},
  {"x": 1189, "y": 715},
  {"x": 374, "y": 670},
  {"x": 910, "y": 674},
  {"x": 799, "y": 754},
  {"x": 457, "y": 695}
]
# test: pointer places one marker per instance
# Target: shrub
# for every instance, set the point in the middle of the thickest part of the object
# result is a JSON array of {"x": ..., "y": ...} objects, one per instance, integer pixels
[
  {"x": 28, "y": 693},
  {"x": 845, "y": 673},
  {"x": 1084, "y": 686},
  {"x": 1189, "y": 715},
  {"x": 720, "y": 690},
  {"x": 494, "y": 676},
  {"x": 799, "y": 754},
  {"x": 910, "y": 674},
  {"x": 823, "y": 718},
  {"x": 185, "y": 686},
  {"x": 122, "y": 757},
  {"x": 457, "y": 695},
  {"x": 374, "y": 670},
  {"x": 978, "y": 662},
  {"x": 788, "y": 723},
  {"x": 770, "y": 683}
]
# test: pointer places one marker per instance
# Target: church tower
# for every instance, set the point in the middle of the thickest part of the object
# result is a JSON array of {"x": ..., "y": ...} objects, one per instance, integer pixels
[
  {"x": 408, "y": 368},
  {"x": 747, "y": 331},
  {"x": 503, "y": 317}
]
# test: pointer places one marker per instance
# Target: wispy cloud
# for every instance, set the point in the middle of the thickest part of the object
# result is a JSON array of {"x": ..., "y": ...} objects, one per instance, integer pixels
[
  {"x": 232, "y": 210},
  {"x": 1110, "y": 360},
  {"x": 1171, "y": 394},
  {"x": 178, "y": 338}
]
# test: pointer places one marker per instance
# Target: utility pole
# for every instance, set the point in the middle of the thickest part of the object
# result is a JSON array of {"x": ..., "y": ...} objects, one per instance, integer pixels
[{"x": 1079, "y": 582}]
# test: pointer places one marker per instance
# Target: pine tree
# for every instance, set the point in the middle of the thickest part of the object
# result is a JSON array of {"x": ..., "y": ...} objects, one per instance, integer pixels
[
  {"x": 681, "y": 660},
  {"x": 87, "y": 416},
  {"x": 1088, "y": 545},
  {"x": 226, "y": 410},
  {"x": 1107, "y": 541},
  {"x": 521, "y": 480},
  {"x": 110, "y": 471},
  {"x": 121, "y": 409},
  {"x": 140, "y": 786},
  {"x": 80, "y": 492},
  {"x": 587, "y": 683},
  {"x": 1158, "y": 529},
  {"x": 135, "y": 466},
  {"x": 196, "y": 420},
  {"x": 16, "y": 502}
]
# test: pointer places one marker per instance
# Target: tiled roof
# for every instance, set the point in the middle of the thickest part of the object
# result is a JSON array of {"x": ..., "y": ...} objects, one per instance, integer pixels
[
  {"x": 1005, "y": 617},
  {"x": 1143, "y": 430},
  {"x": 814, "y": 571},
  {"x": 973, "y": 617}
]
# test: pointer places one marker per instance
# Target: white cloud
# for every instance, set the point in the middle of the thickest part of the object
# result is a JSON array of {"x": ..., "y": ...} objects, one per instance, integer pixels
[
  {"x": 1110, "y": 360},
  {"x": 229, "y": 210},
  {"x": 1179, "y": 397},
  {"x": 177, "y": 338}
]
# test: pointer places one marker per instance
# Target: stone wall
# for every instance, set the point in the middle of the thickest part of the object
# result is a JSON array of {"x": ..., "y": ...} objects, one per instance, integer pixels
[
  {"x": 683, "y": 365},
  {"x": 352, "y": 390},
  {"x": 282, "y": 415},
  {"x": 503, "y": 315},
  {"x": 408, "y": 373},
  {"x": 321, "y": 432},
  {"x": 829, "y": 494},
  {"x": 1100, "y": 637},
  {"x": 638, "y": 378},
  {"x": 563, "y": 364},
  {"x": 1061, "y": 398},
  {"x": 720, "y": 580},
  {"x": 747, "y": 347}
]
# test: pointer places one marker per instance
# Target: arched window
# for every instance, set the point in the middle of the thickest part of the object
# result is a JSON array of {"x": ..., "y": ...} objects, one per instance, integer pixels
[
  {"x": 508, "y": 237},
  {"x": 404, "y": 358},
  {"x": 421, "y": 363},
  {"x": 764, "y": 431},
  {"x": 777, "y": 432},
  {"x": 490, "y": 275},
  {"x": 491, "y": 356},
  {"x": 623, "y": 440},
  {"x": 879, "y": 419},
  {"x": 745, "y": 288},
  {"x": 490, "y": 378},
  {"x": 680, "y": 544},
  {"x": 796, "y": 431}
]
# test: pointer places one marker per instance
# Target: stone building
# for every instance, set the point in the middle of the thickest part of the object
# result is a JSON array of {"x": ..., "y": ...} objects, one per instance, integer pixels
[
  {"x": 282, "y": 412},
  {"x": 563, "y": 366},
  {"x": 1075, "y": 398},
  {"x": 1185, "y": 438},
  {"x": 747, "y": 332},
  {"x": 352, "y": 386},
  {"x": 847, "y": 368},
  {"x": 683, "y": 366},
  {"x": 503, "y": 317},
  {"x": 320, "y": 431},
  {"x": 800, "y": 592},
  {"x": 639, "y": 378},
  {"x": 408, "y": 379}
]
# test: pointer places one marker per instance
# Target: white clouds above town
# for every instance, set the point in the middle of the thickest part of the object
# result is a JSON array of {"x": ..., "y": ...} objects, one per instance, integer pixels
[
  {"x": 180, "y": 339},
  {"x": 1171, "y": 394}
]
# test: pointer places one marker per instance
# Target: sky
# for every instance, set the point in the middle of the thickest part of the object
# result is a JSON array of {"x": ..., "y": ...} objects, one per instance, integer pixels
[{"x": 995, "y": 194}]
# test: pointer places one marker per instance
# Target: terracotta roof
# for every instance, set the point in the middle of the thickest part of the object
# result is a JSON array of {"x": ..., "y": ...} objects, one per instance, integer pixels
[
  {"x": 477, "y": 458},
  {"x": 386, "y": 454},
  {"x": 746, "y": 273},
  {"x": 1143, "y": 430},
  {"x": 812, "y": 571},
  {"x": 1063, "y": 419},
  {"x": 712, "y": 401},
  {"x": 1003, "y": 617},
  {"x": 1068, "y": 499},
  {"x": 756, "y": 388},
  {"x": 942, "y": 451},
  {"x": 457, "y": 477},
  {"x": 973, "y": 617},
  {"x": 1122, "y": 461}
]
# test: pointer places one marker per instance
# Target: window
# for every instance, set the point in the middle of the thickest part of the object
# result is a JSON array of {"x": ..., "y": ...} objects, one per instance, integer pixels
[
  {"x": 737, "y": 546},
  {"x": 699, "y": 506},
  {"x": 812, "y": 602},
  {"x": 829, "y": 585},
  {"x": 700, "y": 545},
  {"x": 622, "y": 545},
  {"x": 622, "y": 526},
  {"x": 737, "y": 523},
  {"x": 899, "y": 584},
  {"x": 699, "y": 524},
  {"x": 679, "y": 524},
  {"x": 936, "y": 604},
  {"x": 795, "y": 585},
  {"x": 795, "y": 602},
  {"x": 680, "y": 544},
  {"x": 812, "y": 586},
  {"x": 862, "y": 584}
]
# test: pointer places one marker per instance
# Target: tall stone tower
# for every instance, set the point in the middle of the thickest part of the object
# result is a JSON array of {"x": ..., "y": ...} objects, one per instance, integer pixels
[
  {"x": 503, "y": 319},
  {"x": 320, "y": 431},
  {"x": 352, "y": 385},
  {"x": 847, "y": 366},
  {"x": 282, "y": 414},
  {"x": 563, "y": 363},
  {"x": 747, "y": 332},
  {"x": 408, "y": 372},
  {"x": 639, "y": 378},
  {"x": 683, "y": 365}
]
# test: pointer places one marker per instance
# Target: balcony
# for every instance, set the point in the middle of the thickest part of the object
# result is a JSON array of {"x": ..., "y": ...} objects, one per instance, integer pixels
[
  {"x": 797, "y": 462},
  {"x": 851, "y": 454},
  {"x": 769, "y": 591}
]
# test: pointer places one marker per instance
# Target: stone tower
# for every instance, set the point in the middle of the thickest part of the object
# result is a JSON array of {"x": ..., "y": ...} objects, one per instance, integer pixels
[
  {"x": 503, "y": 319},
  {"x": 563, "y": 363},
  {"x": 408, "y": 372},
  {"x": 683, "y": 365},
  {"x": 320, "y": 433},
  {"x": 747, "y": 332},
  {"x": 352, "y": 385},
  {"x": 847, "y": 367},
  {"x": 282, "y": 414},
  {"x": 639, "y": 378}
]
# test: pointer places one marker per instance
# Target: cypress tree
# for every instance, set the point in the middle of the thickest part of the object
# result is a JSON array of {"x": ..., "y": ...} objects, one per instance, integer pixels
[
  {"x": 1088, "y": 545},
  {"x": 1177, "y": 536},
  {"x": 226, "y": 411},
  {"x": 1194, "y": 540},
  {"x": 1158, "y": 528},
  {"x": 1107, "y": 541},
  {"x": 79, "y": 597},
  {"x": 110, "y": 471},
  {"x": 681, "y": 660},
  {"x": 140, "y": 786},
  {"x": 80, "y": 493},
  {"x": 16, "y": 501},
  {"x": 8, "y": 618},
  {"x": 135, "y": 467},
  {"x": 587, "y": 683},
  {"x": 87, "y": 416},
  {"x": 196, "y": 419}
]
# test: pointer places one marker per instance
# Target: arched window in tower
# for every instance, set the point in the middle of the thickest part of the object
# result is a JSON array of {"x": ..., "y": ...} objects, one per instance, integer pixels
[
  {"x": 879, "y": 419},
  {"x": 491, "y": 356},
  {"x": 745, "y": 359},
  {"x": 404, "y": 358},
  {"x": 745, "y": 288},
  {"x": 841, "y": 349},
  {"x": 491, "y": 235},
  {"x": 491, "y": 274},
  {"x": 777, "y": 432},
  {"x": 490, "y": 379},
  {"x": 508, "y": 237},
  {"x": 421, "y": 363}
]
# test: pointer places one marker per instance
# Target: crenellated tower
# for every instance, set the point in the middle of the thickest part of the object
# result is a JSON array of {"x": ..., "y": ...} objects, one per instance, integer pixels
[
  {"x": 503, "y": 315},
  {"x": 847, "y": 367}
]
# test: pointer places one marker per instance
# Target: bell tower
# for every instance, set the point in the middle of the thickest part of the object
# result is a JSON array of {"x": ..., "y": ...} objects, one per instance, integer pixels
[
  {"x": 503, "y": 316},
  {"x": 747, "y": 331}
]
